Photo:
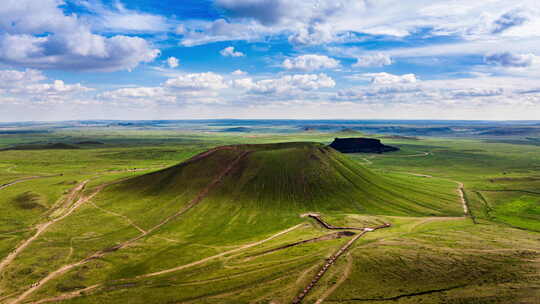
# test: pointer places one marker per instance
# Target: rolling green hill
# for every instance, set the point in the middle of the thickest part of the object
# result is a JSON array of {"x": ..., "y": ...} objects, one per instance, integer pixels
[
  {"x": 225, "y": 226},
  {"x": 291, "y": 178}
]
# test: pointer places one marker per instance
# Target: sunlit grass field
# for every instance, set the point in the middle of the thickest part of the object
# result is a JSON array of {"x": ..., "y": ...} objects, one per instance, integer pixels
[{"x": 431, "y": 254}]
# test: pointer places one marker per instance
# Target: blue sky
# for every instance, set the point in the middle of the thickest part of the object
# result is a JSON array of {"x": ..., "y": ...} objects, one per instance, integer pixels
[{"x": 168, "y": 59}]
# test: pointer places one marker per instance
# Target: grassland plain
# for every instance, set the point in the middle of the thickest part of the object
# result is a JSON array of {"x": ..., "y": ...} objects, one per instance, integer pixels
[{"x": 222, "y": 250}]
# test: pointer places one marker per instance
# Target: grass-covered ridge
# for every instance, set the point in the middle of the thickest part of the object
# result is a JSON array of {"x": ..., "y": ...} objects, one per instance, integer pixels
[
  {"x": 294, "y": 177},
  {"x": 234, "y": 245}
]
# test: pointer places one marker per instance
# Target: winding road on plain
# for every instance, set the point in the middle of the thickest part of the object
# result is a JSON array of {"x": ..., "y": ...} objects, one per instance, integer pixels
[{"x": 200, "y": 196}]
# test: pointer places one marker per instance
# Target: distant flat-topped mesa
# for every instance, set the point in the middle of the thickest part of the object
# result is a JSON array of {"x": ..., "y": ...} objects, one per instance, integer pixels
[{"x": 360, "y": 145}]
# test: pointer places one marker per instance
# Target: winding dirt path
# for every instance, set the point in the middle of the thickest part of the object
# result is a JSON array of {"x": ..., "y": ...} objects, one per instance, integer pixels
[
  {"x": 132, "y": 170},
  {"x": 461, "y": 193},
  {"x": 331, "y": 261},
  {"x": 460, "y": 190},
  {"x": 346, "y": 273},
  {"x": 415, "y": 155},
  {"x": 327, "y": 237},
  {"x": 42, "y": 227},
  {"x": 464, "y": 202},
  {"x": 200, "y": 196},
  {"x": 67, "y": 296},
  {"x": 125, "y": 218},
  {"x": 105, "y": 251},
  {"x": 153, "y": 274},
  {"x": 428, "y": 220},
  {"x": 22, "y": 180},
  {"x": 367, "y": 161},
  {"x": 419, "y": 175}
]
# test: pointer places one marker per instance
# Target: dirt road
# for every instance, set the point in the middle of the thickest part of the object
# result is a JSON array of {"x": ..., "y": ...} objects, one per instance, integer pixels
[
  {"x": 125, "y": 218},
  {"x": 20, "y": 181},
  {"x": 462, "y": 197},
  {"x": 105, "y": 251},
  {"x": 153, "y": 274},
  {"x": 42, "y": 227},
  {"x": 460, "y": 190},
  {"x": 189, "y": 206},
  {"x": 74, "y": 294},
  {"x": 331, "y": 261}
]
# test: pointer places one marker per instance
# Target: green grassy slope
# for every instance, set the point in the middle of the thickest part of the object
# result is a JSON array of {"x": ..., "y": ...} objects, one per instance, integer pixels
[
  {"x": 292, "y": 178},
  {"x": 431, "y": 254}
]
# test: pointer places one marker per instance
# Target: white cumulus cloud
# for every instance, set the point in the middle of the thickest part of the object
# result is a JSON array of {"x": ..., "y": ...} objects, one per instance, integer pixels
[
  {"x": 310, "y": 62},
  {"x": 173, "y": 62},
  {"x": 33, "y": 85},
  {"x": 197, "y": 81},
  {"x": 37, "y": 34},
  {"x": 286, "y": 84},
  {"x": 10, "y": 78},
  {"x": 230, "y": 52},
  {"x": 374, "y": 60},
  {"x": 239, "y": 73},
  {"x": 193, "y": 88},
  {"x": 387, "y": 78}
]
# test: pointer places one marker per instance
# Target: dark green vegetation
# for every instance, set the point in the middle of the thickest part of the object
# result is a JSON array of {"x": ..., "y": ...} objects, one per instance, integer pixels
[
  {"x": 28, "y": 200},
  {"x": 52, "y": 146},
  {"x": 225, "y": 226},
  {"x": 294, "y": 178}
]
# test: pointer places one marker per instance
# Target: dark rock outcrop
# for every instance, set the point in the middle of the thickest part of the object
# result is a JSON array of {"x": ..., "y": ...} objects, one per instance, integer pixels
[{"x": 360, "y": 145}]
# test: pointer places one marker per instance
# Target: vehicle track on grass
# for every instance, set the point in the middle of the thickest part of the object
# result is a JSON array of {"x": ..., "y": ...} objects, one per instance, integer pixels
[
  {"x": 326, "y": 237},
  {"x": 24, "y": 179},
  {"x": 17, "y": 231},
  {"x": 416, "y": 155},
  {"x": 194, "y": 202},
  {"x": 329, "y": 262},
  {"x": 346, "y": 273},
  {"x": 200, "y": 196},
  {"x": 369, "y": 162},
  {"x": 243, "y": 247},
  {"x": 420, "y": 154},
  {"x": 153, "y": 274},
  {"x": 132, "y": 170},
  {"x": 428, "y": 220},
  {"x": 68, "y": 208},
  {"x": 460, "y": 190},
  {"x": 125, "y": 218},
  {"x": 463, "y": 198},
  {"x": 43, "y": 227},
  {"x": 67, "y": 296}
]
